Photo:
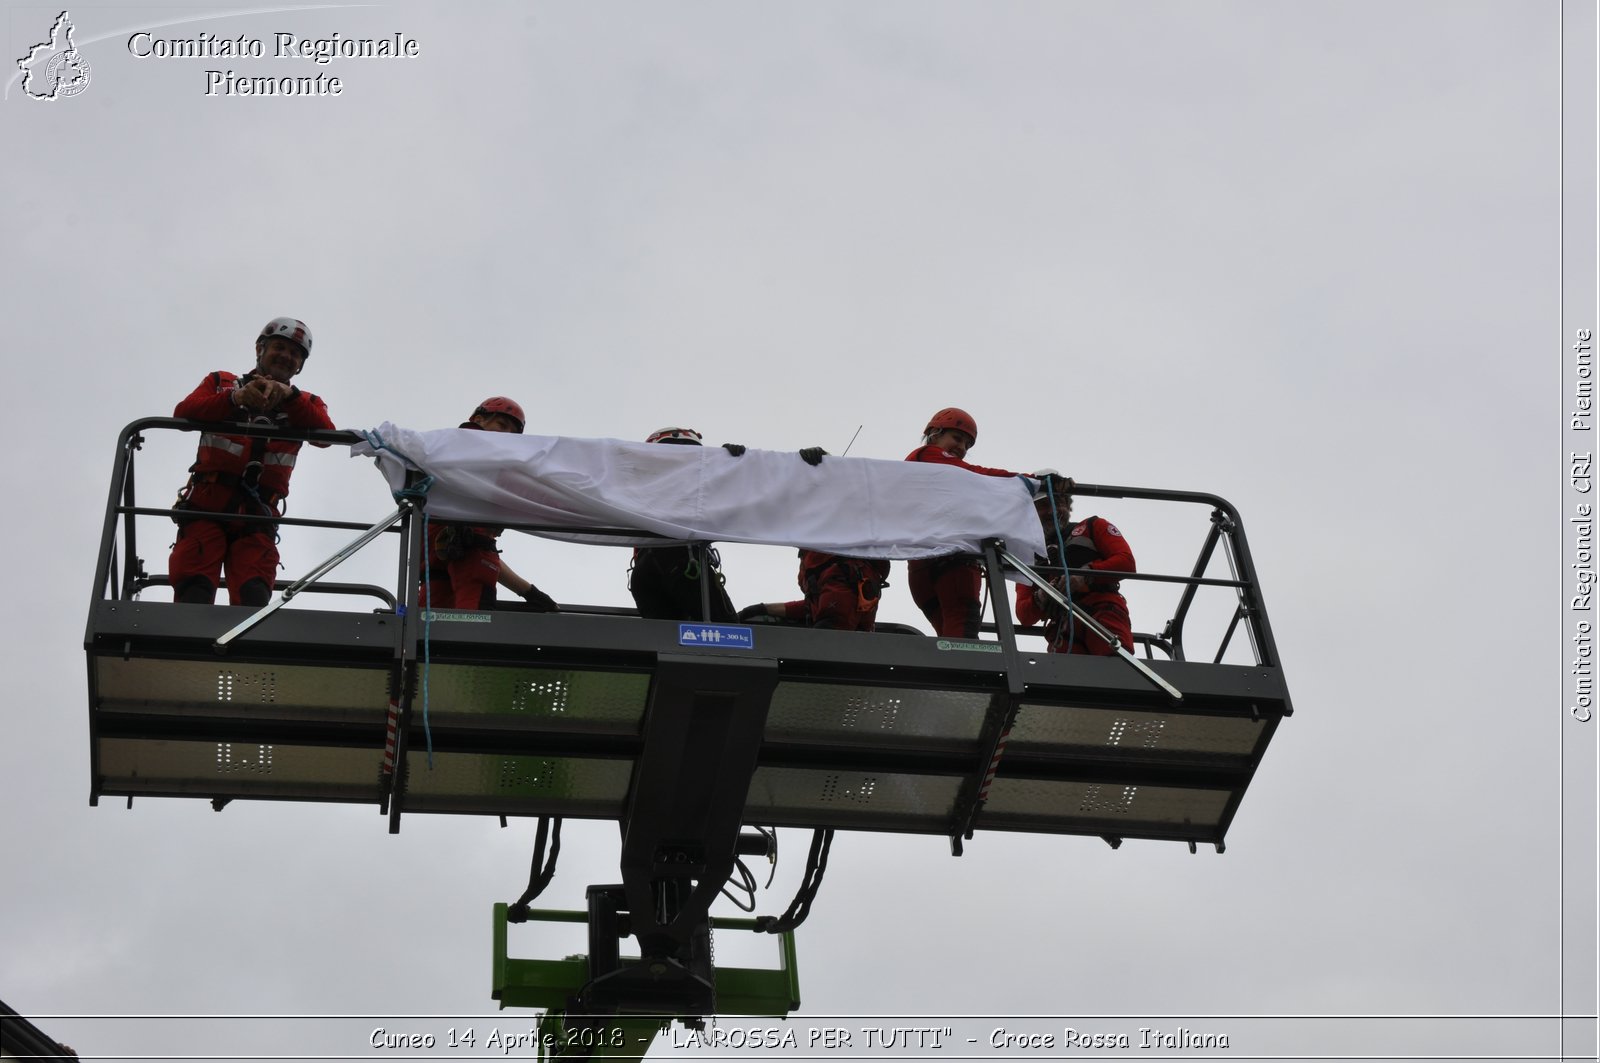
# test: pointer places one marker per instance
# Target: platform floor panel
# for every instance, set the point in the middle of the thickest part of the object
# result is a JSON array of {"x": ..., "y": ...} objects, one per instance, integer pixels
[
  {"x": 495, "y": 784},
  {"x": 859, "y": 714},
  {"x": 548, "y": 714},
  {"x": 538, "y": 698},
  {"x": 220, "y": 687},
  {"x": 1133, "y": 732},
  {"x": 492, "y": 784},
  {"x": 852, "y": 800},
  {"x": 133, "y": 766},
  {"x": 1063, "y": 807}
]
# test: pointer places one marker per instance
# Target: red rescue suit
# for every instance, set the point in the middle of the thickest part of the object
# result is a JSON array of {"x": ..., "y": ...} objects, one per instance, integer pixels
[
  {"x": 462, "y": 568},
  {"x": 841, "y": 593},
  {"x": 1091, "y": 543},
  {"x": 235, "y": 474},
  {"x": 948, "y": 589}
]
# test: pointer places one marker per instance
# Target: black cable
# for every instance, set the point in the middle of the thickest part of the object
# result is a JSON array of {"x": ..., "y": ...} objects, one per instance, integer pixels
[
  {"x": 538, "y": 877},
  {"x": 816, "y": 866},
  {"x": 772, "y": 850},
  {"x": 746, "y": 885}
]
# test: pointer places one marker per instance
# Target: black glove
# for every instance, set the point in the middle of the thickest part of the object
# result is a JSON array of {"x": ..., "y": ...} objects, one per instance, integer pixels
[
  {"x": 736, "y": 449},
  {"x": 1054, "y": 482},
  {"x": 751, "y": 612},
  {"x": 541, "y": 602},
  {"x": 812, "y": 455}
]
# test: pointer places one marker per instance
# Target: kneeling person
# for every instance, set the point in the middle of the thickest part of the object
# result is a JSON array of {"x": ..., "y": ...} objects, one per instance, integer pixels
[{"x": 841, "y": 593}]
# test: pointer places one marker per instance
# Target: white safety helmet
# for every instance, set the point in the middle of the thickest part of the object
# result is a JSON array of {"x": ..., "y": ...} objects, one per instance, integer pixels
[
  {"x": 1048, "y": 482},
  {"x": 291, "y": 329}
]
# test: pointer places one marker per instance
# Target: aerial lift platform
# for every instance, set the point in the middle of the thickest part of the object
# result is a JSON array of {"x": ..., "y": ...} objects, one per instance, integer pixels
[{"x": 695, "y": 738}]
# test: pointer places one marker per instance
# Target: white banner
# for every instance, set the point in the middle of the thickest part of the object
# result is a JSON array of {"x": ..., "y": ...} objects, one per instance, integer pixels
[{"x": 860, "y": 507}]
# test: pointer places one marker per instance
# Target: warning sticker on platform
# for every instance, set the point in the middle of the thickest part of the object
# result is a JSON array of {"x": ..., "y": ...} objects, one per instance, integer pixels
[
  {"x": 455, "y": 617},
  {"x": 971, "y": 647},
  {"x": 722, "y": 636}
]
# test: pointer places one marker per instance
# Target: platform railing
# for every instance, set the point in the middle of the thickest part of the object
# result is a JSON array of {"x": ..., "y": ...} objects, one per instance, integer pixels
[{"x": 121, "y": 574}]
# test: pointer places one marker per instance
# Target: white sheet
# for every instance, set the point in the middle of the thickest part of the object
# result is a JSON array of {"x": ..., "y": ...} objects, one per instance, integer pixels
[{"x": 861, "y": 507}]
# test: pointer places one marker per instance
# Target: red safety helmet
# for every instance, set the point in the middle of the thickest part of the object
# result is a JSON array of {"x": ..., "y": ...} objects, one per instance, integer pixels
[
  {"x": 505, "y": 407},
  {"x": 951, "y": 417},
  {"x": 674, "y": 435},
  {"x": 292, "y": 329}
]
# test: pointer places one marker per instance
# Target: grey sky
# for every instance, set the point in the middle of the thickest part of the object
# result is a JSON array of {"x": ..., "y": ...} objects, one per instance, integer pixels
[{"x": 1304, "y": 256}]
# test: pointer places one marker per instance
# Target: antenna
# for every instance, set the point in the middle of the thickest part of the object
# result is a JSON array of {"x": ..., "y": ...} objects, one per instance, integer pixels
[{"x": 852, "y": 442}]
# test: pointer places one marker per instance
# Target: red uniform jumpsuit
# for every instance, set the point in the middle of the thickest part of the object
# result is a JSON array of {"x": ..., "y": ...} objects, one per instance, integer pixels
[
  {"x": 947, "y": 589},
  {"x": 840, "y": 592},
  {"x": 462, "y": 568},
  {"x": 235, "y": 474},
  {"x": 1091, "y": 543}
]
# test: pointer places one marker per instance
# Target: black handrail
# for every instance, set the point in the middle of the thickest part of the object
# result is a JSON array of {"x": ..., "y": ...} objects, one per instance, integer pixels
[
  {"x": 122, "y": 582},
  {"x": 131, "y": 439}
]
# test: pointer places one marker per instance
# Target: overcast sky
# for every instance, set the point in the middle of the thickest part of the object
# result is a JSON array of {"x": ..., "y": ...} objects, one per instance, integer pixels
[{"x": 1302, "y": 255}]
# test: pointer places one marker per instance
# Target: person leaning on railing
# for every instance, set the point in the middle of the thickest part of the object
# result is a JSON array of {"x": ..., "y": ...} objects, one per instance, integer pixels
[
  {"x": 243, "y": 475},
  {"x": 1093, "y": 543}
]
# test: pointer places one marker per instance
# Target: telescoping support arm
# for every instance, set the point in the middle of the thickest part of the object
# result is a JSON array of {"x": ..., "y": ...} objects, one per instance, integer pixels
[
  {"x": 1093, "y": 624},
  {"x": 406, "y": 506}
]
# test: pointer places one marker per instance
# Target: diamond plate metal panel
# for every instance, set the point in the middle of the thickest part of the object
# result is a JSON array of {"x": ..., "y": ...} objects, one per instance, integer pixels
[
  {"x": 1049, "y": 728},
  {"x": 865, "y": 715}
]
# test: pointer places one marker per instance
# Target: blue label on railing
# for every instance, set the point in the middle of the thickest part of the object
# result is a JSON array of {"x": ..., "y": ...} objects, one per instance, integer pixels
[{"x": 722, "y": 636}]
